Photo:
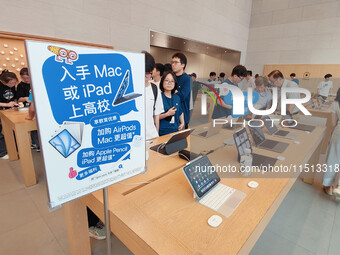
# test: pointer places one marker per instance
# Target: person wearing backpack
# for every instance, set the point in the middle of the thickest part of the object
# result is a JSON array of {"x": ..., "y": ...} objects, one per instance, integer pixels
[{"x": 153, "y": 98}]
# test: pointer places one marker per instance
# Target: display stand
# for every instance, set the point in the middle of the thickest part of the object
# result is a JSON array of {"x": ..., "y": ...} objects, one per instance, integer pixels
[{"x": 107, "y": 222}]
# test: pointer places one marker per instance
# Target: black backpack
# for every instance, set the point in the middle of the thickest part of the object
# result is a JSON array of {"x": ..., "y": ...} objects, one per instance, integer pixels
[{"x": 155, "y": 94}]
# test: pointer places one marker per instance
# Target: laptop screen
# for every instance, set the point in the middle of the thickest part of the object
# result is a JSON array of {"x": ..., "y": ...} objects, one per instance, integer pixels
[
  {"x": 257, "y": 134},
  {"x": 179, "y": 136},
  {"x": 200, "y": 175},
  {"x": 269, "y": 125},
  {"x": 241, "y": 141}
]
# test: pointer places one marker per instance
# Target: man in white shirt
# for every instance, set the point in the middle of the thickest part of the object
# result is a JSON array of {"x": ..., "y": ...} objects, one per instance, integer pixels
[
  {"x": 325, "y": 87},
  {"x": 157, "y": 73},
  {"x": 153, "y": 100},
  {"x": 276, "y": 79}
]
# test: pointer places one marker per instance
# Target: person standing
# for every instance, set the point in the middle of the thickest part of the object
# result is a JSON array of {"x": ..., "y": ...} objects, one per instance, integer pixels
[
  {"x": 178, "y": 64},
  {"x": 24, "y": 87},
  {"x": 221, "y": 77},
  {"x": 294, "y": 79},
  {"x": 172, "y": 119},
  {"x": 237, "y": 75},
  {"x": 248, "y": 82},
  {"x": 333, "y": 152},
  {"x": 193, "y": 76},
  {"x": 153, "y": 98},
  {"x": 325, "y": 87},
  {"x": 157, "y": 73},
  {"x": 277, "y": 80},
  {"x": 265, "y": 97},
  {"x": 212, "y": 77}
]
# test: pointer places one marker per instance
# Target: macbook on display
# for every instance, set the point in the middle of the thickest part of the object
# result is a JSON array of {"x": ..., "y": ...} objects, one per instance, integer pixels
[
  {"x": 242, "y": 142},
  {"x": 272, "y": 129},
  {"x": 121, "y": 97},
  {"x": 261, "y": 142},
  {"x": 208, "y": 189},
  {"x": 299, "y": 126}
]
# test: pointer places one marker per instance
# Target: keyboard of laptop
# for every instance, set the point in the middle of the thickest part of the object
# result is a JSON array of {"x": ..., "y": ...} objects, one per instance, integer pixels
[
  {"x": 282, "y": 133},
  {"x": 216, "y": 197},
  {"x": 269, "y": 144},
  {"x": 259, "y": 160}
]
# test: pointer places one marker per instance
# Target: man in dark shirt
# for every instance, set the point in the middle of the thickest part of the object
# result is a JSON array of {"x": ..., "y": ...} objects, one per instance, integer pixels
[{"x": 178, "y": 64}]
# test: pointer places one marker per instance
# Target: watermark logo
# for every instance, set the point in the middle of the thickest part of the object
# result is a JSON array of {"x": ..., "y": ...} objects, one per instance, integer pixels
[{"x": 241, "y": 102}]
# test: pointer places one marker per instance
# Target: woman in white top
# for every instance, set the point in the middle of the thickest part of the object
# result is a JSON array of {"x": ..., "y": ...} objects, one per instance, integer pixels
[{"x": 333, "y": 153}]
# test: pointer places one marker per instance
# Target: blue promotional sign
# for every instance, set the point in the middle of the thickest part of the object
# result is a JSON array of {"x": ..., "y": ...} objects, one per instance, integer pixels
[{"x": 90, "y": 113}]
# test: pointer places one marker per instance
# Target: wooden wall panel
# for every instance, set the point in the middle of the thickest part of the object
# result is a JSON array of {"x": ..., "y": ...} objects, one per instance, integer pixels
[{"x": 13, "y": 53}]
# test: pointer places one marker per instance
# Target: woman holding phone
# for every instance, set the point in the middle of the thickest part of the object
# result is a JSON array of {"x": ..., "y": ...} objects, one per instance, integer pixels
[{"x": 172, "y": 119}]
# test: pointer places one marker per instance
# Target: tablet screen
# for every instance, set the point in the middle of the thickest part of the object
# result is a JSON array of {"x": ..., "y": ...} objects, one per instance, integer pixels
[
  {"x": 269, "y": 125},
  {"x": 241, "y": 141},
  {"x": 64, "y": 143},
  {"x": 257, "y": 134},
  {"x": 200, "y": 175}
]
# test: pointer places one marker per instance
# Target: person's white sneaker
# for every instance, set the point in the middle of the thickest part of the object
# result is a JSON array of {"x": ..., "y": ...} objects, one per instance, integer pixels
[{"x": 5, "y": 157}]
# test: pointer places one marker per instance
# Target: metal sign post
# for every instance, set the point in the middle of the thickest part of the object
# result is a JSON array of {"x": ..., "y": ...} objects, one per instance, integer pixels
[{"x": 107, "y": 222}]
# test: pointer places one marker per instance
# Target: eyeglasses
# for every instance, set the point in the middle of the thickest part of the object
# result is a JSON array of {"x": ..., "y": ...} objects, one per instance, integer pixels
[
  {"x": 169, "y": 81},
  {"x": 240, "y": 77},
  {"x": 148, "y": 73},
  {"x": 175, "y": 62}
]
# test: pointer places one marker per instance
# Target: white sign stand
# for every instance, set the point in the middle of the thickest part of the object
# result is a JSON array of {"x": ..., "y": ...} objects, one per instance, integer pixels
[{"x": 91, "y": 117}]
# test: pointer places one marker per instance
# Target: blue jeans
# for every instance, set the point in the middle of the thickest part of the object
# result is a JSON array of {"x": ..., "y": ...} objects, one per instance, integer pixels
[
  {"x": 3, "y": 150},
  {"x": 35, "y": 138}
]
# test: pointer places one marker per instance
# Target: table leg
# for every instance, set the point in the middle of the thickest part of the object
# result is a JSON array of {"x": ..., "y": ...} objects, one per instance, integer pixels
[
  {"x": 77, "y": 228},
  {"x": 9, "y": 140},
  {"x": 25, "y": 154},
  {"x": 313, "y": 161}
]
